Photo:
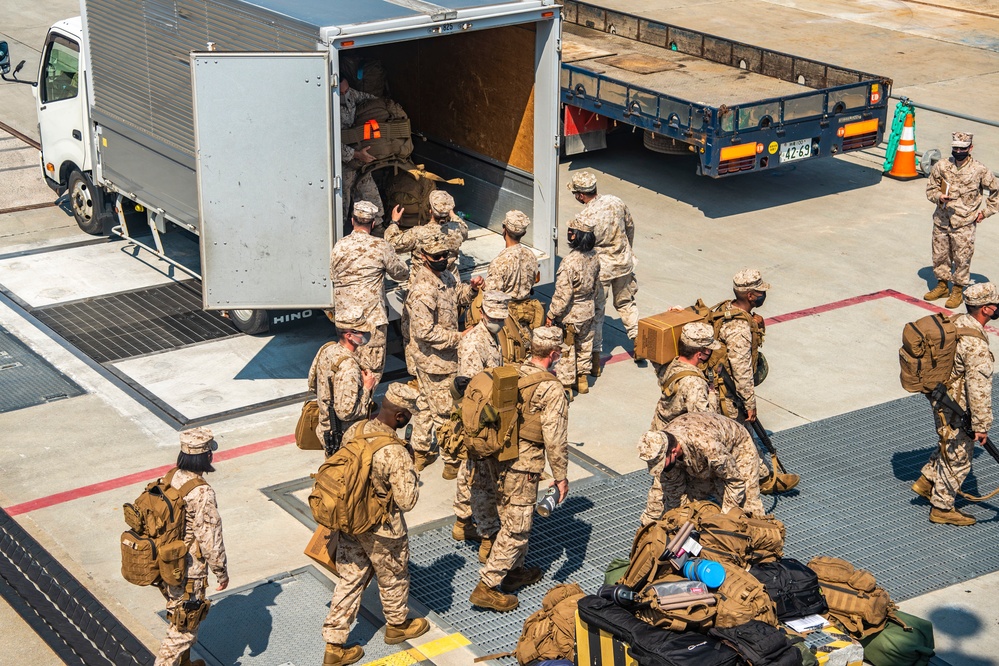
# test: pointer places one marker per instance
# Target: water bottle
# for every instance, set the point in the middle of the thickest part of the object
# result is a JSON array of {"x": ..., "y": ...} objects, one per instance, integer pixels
[
  {"x": 548, "y": 502},
  {"x": 708, "y": 572}
]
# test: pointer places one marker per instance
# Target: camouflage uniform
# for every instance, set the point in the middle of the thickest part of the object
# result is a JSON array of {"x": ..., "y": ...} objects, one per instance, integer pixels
[
  {"x": 383, "y": 550},
  {"x": 455, "y": 230},
  {"x": 432, "y": 304},
  {"x": 576, "y": 286},
  {"x": 736, "y": 334},
  {"x": 614, "y": 229},
  {"x": 358, "y": 266},
  {"x": 353, "y": 180},
  {"x": 689, "y": 393},
  {"x": 344, "y": 387},
  {"x": 518, "y": 479},
  {"x": 970, "y": 386},
  {"x": 954, "y": 221},
  {"x": 205, "y": 549},
  {"x": 513, "y": 271},
  {"x": 719, "y": 459}
]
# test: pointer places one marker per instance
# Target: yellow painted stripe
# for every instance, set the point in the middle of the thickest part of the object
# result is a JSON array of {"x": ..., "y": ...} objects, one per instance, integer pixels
[
  {"x": 582, "y": 646},
  {"x": 606, "y": 647},
  {"x": 426, "y": 651},
  {"x": 397, "y": 659}
]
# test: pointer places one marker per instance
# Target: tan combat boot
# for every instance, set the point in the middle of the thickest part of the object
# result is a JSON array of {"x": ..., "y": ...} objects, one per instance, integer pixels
[
  {"x": 464, "y": 530},
  {"x": 485, "y": 548},
  {"x": 956, "y": 297},
  {"x": 493, "y": 599},
  {"x": 938, "y": 291},
  {"x": 423, "y": 460},
  {"x": 520, "y": 577},
  {"x": 582, "y": 385},
  {"x": 568, "y": 391},
  {"x": 595, "y": 370},
  {"x": 414, "y": 627},
  {"x": 185, "y": 659},
  {"x": 450, "y": 471},
  {"x": 339, "y": 655},
  {"x": 950, "y": 517},
  {"x": 923, "y": 487}
]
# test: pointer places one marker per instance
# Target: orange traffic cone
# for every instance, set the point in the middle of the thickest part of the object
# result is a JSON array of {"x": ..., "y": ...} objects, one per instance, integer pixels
[{"x": 904, "y": 166}]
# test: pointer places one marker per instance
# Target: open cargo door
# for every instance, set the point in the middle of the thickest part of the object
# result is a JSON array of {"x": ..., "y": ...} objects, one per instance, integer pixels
[{"x": 263, "y": 147}]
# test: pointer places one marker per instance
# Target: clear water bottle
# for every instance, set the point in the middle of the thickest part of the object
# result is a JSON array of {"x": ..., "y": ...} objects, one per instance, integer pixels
[{"x": 548, "y": 503}]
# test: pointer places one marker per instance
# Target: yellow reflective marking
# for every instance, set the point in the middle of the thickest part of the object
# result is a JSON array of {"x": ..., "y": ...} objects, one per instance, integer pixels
[{"x": 426, "y": 651}]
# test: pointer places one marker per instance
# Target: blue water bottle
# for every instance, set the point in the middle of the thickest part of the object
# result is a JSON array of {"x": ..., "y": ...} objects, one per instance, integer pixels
[{"x": 708, "y": 572}]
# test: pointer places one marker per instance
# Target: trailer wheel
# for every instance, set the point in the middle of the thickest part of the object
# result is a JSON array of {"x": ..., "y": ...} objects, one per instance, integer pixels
[
  {"x": 250, "y": 322},
  {"x": 83, "y": 199}
]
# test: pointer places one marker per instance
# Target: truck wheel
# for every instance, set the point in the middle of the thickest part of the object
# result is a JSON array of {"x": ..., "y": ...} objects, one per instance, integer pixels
[
  {"x": 82, "y": 198},
  {"x": 250, "y": 322}
]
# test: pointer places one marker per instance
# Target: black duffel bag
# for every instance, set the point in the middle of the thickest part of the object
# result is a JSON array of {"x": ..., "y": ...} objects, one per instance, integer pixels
[
  {"x": 759, "y": 643},
  {"x": 793, "y": 587}
]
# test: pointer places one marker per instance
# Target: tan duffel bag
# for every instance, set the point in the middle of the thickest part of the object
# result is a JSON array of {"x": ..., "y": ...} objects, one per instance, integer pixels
[{"x": 305, "y": 430}]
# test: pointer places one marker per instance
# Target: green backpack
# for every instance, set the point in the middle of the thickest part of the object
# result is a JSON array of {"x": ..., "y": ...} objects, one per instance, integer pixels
[{"x": 906, "y": 640}]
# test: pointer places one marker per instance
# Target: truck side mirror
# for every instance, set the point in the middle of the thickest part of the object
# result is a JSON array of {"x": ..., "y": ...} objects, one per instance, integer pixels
[{"x": 4, "y": 58}]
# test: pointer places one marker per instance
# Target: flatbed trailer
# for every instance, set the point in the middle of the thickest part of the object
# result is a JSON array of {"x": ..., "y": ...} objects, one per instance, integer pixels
[{"x": 740, "y": 108}]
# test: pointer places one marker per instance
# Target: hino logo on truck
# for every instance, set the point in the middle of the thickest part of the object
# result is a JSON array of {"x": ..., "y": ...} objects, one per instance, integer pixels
[{"x": 291, "y": 316}]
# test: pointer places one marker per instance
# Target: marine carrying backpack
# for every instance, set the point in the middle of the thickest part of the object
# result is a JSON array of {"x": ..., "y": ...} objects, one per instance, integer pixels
[
  {"x": 153, "y": 549},
  {"x": 550, "y": 633},
  {"x": 855, "y": 600},
  {"x": 343, "y": 498},
  {"x": 718, "y": 314},
  {"x": 926, "y": 356}
]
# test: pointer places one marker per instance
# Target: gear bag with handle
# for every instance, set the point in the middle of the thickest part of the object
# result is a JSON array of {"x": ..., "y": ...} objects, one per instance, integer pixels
[
  {"x": 855, "y": 600},
  {"x": 153, "y": 549},
  {"x": 793, "y": 587},
  {"x": 550, "y": 633},
  {"x": 926, "y": 357}
]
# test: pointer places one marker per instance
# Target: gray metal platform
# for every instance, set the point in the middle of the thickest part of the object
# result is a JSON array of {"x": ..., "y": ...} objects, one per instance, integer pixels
[{"x": 26, "y": 379}]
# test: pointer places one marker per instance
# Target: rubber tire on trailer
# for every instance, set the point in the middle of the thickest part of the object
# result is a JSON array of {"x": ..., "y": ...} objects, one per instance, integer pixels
[
  {"x": 83, "y": 199},
  {"x": 251, "y": 322}
]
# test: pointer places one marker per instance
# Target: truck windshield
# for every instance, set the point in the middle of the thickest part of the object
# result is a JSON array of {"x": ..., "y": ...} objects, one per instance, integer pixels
[{"x": 60, "y": 77}]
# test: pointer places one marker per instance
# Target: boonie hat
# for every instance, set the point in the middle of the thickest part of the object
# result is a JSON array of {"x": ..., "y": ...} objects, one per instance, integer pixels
[
  {"x": 516, "y": 221},
  {"x": 198, "y": 440},
  {"x": 546, "y": 336},
  {"x": 350, "y": 317},
  {"x": 496, "y": 304},
  {"x": 961, "y": 139},
  {"x": 402, "y": 395},
  {"x": 441, "y": 203},
  {"x": 652, "y": 445},
  {"x": 584, "y": 182},
  {"x": 365, "y": 211},
  {"x": 749, "y": 279},
  {"x": 699, "y": 335},
  {"x": 581, "y": 222},
  {"x": 982, "y": 293}
]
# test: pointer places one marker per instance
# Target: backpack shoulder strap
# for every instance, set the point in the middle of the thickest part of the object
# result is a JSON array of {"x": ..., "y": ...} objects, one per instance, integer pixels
[
  {"x": 535, "y": 378},
  {"x": 191, "y": 485},
  {"x": 967, "y": 331},
  {"x": 169, "y": 476},
  {"x": 378, "y": 440},
  {"x": 668, "y": 388}
]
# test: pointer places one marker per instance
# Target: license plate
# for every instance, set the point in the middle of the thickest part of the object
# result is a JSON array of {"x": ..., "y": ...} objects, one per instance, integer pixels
[{"x": 795, "y": 150}]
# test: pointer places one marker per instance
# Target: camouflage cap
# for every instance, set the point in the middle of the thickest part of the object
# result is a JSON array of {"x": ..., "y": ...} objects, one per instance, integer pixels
[
  {"x": 441, "y": 203},
  {"x": 652, "y": 445},
  {"x": 516, "y": 221},
  {"x": 699, "y": 335},
  {"x": 584, "y": 182},
  {"x": 582, "y": 222},
  {"x": 349, "y": 316},
  {"x": 434, "y": 243},
  {"x": 496, "y": 304},
  {"x": 961, "y": 139},
  {"x": 365, "y": 211},
  {"x": 198, "y": 440},
  {"x": 749, "y": 280},
  {"x": 402, "y": 395},
  {"x": 546, "y": 337},
  {"x": 981, "y": 293}
]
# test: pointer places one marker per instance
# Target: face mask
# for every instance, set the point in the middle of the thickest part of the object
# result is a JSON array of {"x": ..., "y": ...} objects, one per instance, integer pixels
[
  {"x": 494, "y": 326},
  {"x": 760, "y": 300},
  {"x": 959, "y": 155},
  {"x": 438, "y": 265},
  {"x": 994, "y": 315},
  {"x": 365, "y": 338}
]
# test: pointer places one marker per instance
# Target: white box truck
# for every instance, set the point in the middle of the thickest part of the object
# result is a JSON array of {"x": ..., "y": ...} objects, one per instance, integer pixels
[{"x": 222, "y": 117}]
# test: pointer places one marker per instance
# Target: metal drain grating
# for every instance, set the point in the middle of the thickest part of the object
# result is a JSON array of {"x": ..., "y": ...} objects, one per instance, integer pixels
[
  {"x": 124, "y": 325},
  {"x": 26, "y": 379}
]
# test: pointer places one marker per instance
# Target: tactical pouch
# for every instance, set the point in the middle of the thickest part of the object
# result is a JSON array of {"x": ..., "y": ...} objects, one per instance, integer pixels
[
  {"x": 172, "y": 562},
  {"x": 138, "y": 559},
  {"x": 188, "y": 615},
  {"x": 855, "y": 600},
  {"x": 133, "y": 518}
]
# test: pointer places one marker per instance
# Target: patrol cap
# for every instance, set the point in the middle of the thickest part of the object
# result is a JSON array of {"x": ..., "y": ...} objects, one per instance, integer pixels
[
  {"x": 652, "y": 445},
  {"x": 981, "y": 293},
  {"x": 198, "y": 440},
  {"x": 402, "y": 395},
  {"x": 546, "y": 337},
  {"x": 749, "y": 280},
  {"x": 350, "y": 317},
  {"x": 961, "y": 139},
  {"x": 581, "y": 222},
  {"x": 699, "y": 335},
  {"x": 496, "y": 304},
  {"x": 434, "y": 243},
  {"x": 516, "y": 221},
  {"x": 584, "y": 182},
  {"x": 441, "y": 203},
  {"x": 365, "y": 211}
]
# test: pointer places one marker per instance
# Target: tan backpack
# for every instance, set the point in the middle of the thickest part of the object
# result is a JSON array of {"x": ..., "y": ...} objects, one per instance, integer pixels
[
  {"x": 153, "y": 548},
  {"x": 382, "y": 126},
  {"x": 410, "y": 187},
  {"x": 929, "y": 345},
  {"x": 742, "y": 598},
  {"x": 343, "y": 498},
  {"x": 550, "y": 633},
  {"x": 766, "y": 538},
  {"x": 855, "y": 600},
  {"x": 718, "y": 314},
  {"x": 724, "y": 537}
]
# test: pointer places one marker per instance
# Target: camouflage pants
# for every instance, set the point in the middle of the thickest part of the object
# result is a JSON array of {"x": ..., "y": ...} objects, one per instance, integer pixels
[
  {"x": 948, "y": 475},
  {"x": 475, "y": 496},
  {"x": 358, "y": 558},
  {"x": 518, "y": 493},
  {"x": 433, "y": 408},
  {"x": 577, "y": 358},
  {"x": 359, "y": 188},
  {"x": 622, "y": 291},
  {"x": 176, "y": 642},
  {"x": 372, "y": 355},
  {"x": 952, "y": 251},
  {"x": 729, "y": 409}
]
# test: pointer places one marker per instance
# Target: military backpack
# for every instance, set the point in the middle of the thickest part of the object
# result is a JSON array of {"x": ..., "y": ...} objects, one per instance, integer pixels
[
  {"x": 855, "y": 600},
  {"x": 153, "y": 549},
  {"x": 410, "y": 186},
  {"x": 929, "y": 346},
  {"x": 550, "y": 633},
  {"x": 718, "y": 314},
  {"x": 492, "y": 413}
]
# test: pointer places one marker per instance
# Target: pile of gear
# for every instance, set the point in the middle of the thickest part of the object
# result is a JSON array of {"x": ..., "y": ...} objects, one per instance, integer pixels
[{"x": 714, "y": 589}]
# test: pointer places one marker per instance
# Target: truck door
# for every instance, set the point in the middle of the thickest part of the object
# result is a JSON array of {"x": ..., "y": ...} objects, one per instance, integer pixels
[
  {"x": 264, "y": 170},
  {"x": 61, "y": 107}
]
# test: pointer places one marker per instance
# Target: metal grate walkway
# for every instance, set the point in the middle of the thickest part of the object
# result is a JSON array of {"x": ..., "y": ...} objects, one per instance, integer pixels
[{"x": 26, "y": 379}]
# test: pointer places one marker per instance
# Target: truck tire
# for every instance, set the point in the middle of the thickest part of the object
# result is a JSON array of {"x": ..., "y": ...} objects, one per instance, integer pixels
[
  {"x": 250, "y": 322},
  {"x": 83, "y": 198}
]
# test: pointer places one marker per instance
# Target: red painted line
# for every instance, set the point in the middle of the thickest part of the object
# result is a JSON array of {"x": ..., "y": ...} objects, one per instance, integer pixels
[{"x": 138, "y": 477}]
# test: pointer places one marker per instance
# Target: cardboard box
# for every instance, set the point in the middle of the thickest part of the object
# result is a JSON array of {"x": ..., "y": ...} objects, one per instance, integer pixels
[
  {"x": 659, "y": 335},
  {"x": 322, "y": 548}
]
